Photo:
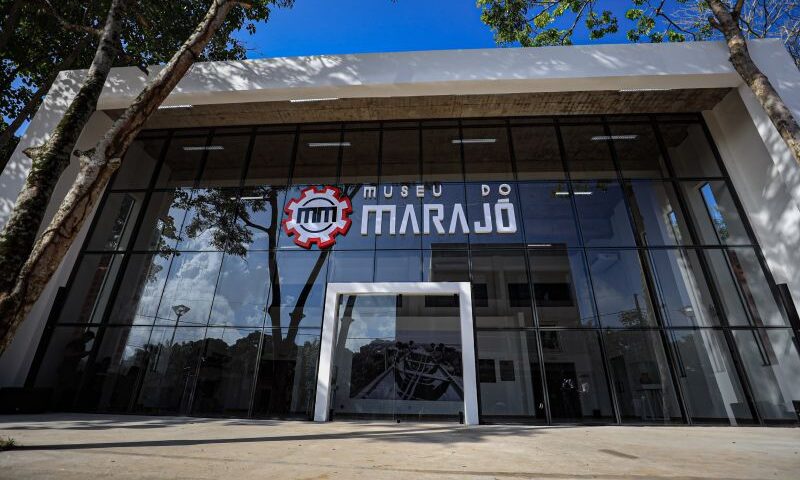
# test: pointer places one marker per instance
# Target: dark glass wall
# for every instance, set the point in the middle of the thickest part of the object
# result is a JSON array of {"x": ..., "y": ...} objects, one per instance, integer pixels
[{"x": 632, "y": 291}]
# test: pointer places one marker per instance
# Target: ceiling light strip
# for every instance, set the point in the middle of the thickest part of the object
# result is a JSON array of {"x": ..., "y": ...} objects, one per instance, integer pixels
[
  {"x": 199, "y": 148},
  {"x": 308, "y": 100},
  {"x": 171, "y": 107},
  {"x": 473, "y": 140},
  {"x": 328, "y": 144},
  {"x": 600, "y": 138}
]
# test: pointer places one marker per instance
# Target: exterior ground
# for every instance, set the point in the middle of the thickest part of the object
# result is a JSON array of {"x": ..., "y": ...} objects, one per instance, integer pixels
[{"x": 103, "y": 446}]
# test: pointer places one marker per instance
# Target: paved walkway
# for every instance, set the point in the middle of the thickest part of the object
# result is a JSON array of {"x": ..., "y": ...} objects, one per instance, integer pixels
[{"x": 103, "y": 446}]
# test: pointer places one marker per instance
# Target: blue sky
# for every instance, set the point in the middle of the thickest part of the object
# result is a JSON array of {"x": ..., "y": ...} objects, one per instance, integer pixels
[{"x": 315, "y": 27}]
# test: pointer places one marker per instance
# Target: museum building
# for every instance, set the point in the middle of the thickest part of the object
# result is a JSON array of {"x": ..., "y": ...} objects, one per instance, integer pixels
[{"x": 592, "y": 235}]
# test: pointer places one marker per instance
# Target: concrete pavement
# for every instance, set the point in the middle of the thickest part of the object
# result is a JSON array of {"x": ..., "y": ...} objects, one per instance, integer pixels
[{"x": 62, "y": 446}]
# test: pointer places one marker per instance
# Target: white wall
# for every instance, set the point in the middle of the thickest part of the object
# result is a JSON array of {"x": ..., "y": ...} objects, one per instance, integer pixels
[{"x": 765, "y": 195}]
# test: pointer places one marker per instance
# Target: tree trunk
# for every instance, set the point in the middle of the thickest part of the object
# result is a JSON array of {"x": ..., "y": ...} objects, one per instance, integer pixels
[
  {"x": 51, "y": 159},
  {"x": 96, "y": 168},
  {"x": 771, "y": 101}
]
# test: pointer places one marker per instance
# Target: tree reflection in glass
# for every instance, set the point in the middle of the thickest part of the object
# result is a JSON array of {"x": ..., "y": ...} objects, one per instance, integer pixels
[{"x": 236, "y": 224}]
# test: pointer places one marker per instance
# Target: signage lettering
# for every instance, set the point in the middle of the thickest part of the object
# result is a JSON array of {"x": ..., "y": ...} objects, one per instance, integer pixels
[{"x": 318, "y": 216}]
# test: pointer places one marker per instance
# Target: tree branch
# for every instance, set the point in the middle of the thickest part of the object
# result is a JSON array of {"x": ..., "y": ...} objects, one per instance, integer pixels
[
  {"x": 36, "y": 99},
  {"x": 66, "y": 24},
  {"x": 10, "y": 22},
  {"x": 659, "y": 12},
  {"x": 737, "y": 9},
  {"x": 18, "y": 259}
]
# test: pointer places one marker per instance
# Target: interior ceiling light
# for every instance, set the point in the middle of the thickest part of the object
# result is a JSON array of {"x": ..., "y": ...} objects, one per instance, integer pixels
[
  {"x": 305, "y": 100},
  {"x": 328, "y": 144},
  {"x": 540, "y": 245},
  {"x": 562, "y": 194},
  {"x": 600, "y": 138},
  {"x": 169, "y": 107},
  {"x": 634, "y": 90},
  {"x": 260, "y": 197},
  {"x": 474, "y": 140},
  {"x": 198, "y": 148}
]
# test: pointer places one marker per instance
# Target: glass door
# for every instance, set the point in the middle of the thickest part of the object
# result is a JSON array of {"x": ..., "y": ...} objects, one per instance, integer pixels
[{"x": 398, "y": 356}]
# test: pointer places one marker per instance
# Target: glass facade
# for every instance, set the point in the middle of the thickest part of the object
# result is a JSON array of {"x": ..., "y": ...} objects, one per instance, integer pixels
[{"x": 625, "y": 286}]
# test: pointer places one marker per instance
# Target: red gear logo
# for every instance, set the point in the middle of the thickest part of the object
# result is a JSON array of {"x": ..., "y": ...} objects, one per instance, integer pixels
[{"x": 318, "y": 216}]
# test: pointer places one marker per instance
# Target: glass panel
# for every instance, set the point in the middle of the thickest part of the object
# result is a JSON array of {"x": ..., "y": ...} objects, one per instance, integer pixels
[
  {"x": 657, "y": 214},
  {"x": 112, "y": 230},
  {"x": 271, "y": 160},
  {"x": 536, "y": 153},
  {"x": 493, "y": 216},
  {"x": 354, "y": 240},
  {"x": 137, "y": 166},
  {"x": 441, "y": 157},
  {"x": 90, "y": 289},
  {"x": 454, "y": 222},
  {"x": 408, "y": 211},
  {"x": 140, "y": 290},
  {"x": 242, "y": 291},
  {"x": 182, "y": 163},
  {"x": 285, "y": 241},
  {"x": 170, "y": 377},
  {"x": 445, "y": 266},
  {"x": 689, "y": 150},
  {"x": 486, "y": 154},
  {"x": 712, "y": 210},
  {"x": 620, "y": 288},
  {"x": 225, "y": 161},
  {"x": 114, "y": 374},
  {"x": 210, "y": 222},
  {"x": 516, "y": 392},
  {"x": 398, "y": 266},
  {"x": 642, "y": 380},
  {"x": 682, "y": 289},
  {"x": 602, "y": 214},
  {"x": 575, "y": 376},
  {"x": 65, "y": 363},
  {"x": 225, "y": 376},
  {"x": 287, "y": 374},
  {"x": 192, "y": 132},
  {"x": 500, "y": 292},
  {"x": 707, "y": 373},
  {"x": 400, "y": 160},
  {"x": 561, "y": 288},
  {"x": 773, "y": 367},
  {"x": 588, "y": 155},
  {"x": 547, "y": 214},
  {"x": 351, "y": 266},
  {"x": 581, "y": 119},
  {"x": 258, "y": 216},
  {"x": 360, "y": 159},
  {"x": 317, "y": 158},
  {"x": 398, "y": 355},
  {"x": 163, "y": 220},
  {"x": 744, "y": 288},
  {"x": 189, "y": 289},
  {"x": 638, "y": 153},
  {"x": 300, "y": 280}
]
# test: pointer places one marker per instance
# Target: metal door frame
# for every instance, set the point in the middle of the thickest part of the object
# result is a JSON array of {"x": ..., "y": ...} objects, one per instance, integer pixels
[{"x": 330, "y": 327}]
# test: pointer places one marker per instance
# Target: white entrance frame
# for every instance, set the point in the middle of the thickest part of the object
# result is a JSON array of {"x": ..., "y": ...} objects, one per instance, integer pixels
[{"x": 330, "y": 327}]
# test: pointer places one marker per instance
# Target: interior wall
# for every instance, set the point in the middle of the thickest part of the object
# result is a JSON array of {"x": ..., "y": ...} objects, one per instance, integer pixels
[{"x": 763, "y": 188}]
